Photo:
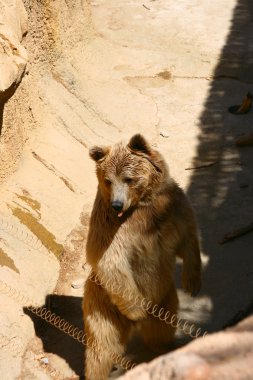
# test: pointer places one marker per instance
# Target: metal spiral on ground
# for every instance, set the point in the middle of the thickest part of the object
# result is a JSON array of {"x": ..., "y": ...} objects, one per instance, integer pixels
[
  {"x": 9, "y": 342},
  {"x": 27, "y": 238},
  {"x": 61, "y": 324},
  {"x": 152, "y": 309},
  {"x": 123, "y": 362}
]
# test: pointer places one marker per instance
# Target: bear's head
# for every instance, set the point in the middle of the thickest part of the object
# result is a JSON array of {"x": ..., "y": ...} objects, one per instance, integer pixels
[{"x": 129, "y": 175}]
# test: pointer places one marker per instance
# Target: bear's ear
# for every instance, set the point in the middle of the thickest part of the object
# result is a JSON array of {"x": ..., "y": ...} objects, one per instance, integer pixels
[
  {"x": 138, "y": 144},
  {"x": 98, "y": 153}
]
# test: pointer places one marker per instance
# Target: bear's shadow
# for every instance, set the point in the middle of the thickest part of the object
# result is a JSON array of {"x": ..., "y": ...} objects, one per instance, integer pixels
[{"x": 55, "y": 341}]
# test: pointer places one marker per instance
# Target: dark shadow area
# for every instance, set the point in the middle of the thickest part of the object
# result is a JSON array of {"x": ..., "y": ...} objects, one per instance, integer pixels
[
  {"x": 55, "y": 341},
  {"x": 222, "y": 194}
]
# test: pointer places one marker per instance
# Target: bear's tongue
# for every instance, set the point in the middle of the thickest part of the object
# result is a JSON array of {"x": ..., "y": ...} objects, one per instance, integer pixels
[{"x": 120, "y": 214}]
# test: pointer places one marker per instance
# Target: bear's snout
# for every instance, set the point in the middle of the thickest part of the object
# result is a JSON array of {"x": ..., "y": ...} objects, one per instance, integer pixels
[{"x": 117, "y": 205}]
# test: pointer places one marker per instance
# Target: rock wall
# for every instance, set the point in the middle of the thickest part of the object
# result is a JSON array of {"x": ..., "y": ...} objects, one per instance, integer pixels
[
  {"x": 13, "y": 58},
  {"x": 13, "y": 61},
  {"x": 42, "y": 144}
]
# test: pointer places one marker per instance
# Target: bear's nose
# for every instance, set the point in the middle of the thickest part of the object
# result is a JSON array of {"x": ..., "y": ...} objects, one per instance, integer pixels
[{"x": 117, "y": 205}]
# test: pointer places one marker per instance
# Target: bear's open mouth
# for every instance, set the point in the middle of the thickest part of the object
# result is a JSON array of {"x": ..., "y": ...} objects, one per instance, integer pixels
[{"x": 120, "y": 214}]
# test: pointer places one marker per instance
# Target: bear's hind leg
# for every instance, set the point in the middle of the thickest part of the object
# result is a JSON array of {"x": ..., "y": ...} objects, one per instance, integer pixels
[
  {"x": 157, "y": 334},
  {"x": 106, "y": 331},
  {"x": 191, "y": 275}
]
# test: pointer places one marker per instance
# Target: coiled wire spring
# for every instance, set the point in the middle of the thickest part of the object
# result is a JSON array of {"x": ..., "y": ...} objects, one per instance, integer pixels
[
  {"x": 26, "y": 237},
  {"x": 10, "y": 343},
  {"x": 61, "y": 324},
  {"x": 152, "y": 309}
]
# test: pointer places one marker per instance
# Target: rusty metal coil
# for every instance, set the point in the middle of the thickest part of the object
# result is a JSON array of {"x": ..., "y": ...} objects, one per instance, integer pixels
[
  {"x": 25, "y": 237},
  {"x": 10, "y": 343},
  {"x": 152, "y": 309},
  {"x": 61, "y": 324}
]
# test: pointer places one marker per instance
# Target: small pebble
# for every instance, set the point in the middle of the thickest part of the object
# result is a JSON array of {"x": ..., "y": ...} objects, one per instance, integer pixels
[
  {"x": 77, "y": 284},
  {"x": 44, "y": 360},
  {"x": 164, "y": 134}
]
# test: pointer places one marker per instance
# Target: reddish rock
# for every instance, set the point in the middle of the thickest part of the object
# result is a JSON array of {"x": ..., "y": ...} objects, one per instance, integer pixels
[{"x": 225, "y": 355}]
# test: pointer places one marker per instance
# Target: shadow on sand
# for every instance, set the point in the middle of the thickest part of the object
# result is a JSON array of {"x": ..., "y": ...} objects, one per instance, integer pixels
[
  {"x": 222, "y": 194},
  {"x": 54, "y": 340}
]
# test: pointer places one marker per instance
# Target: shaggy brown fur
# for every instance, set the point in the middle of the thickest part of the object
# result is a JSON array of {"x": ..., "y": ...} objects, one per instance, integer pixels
[{"x": 133, "y": 248}]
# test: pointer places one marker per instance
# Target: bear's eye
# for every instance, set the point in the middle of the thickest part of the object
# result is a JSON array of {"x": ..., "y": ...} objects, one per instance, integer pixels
[
  {"x": 107, "y": 182},
  {"x": 128, "y": 180}
]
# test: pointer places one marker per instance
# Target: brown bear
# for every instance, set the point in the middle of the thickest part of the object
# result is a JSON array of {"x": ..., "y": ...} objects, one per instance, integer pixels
[{"x": 141, "y": 220}]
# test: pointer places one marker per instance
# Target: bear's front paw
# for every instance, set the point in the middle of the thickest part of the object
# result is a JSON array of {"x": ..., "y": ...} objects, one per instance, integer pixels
[{"x": 191, "y": 283}]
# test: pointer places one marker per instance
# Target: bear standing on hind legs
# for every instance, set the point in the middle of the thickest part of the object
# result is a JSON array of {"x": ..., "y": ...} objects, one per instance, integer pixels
[{"x": 141, "y": 220}]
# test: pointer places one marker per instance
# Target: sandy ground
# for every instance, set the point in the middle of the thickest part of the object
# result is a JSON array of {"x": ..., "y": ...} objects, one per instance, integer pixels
[{"x": 99, "y": 72}]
